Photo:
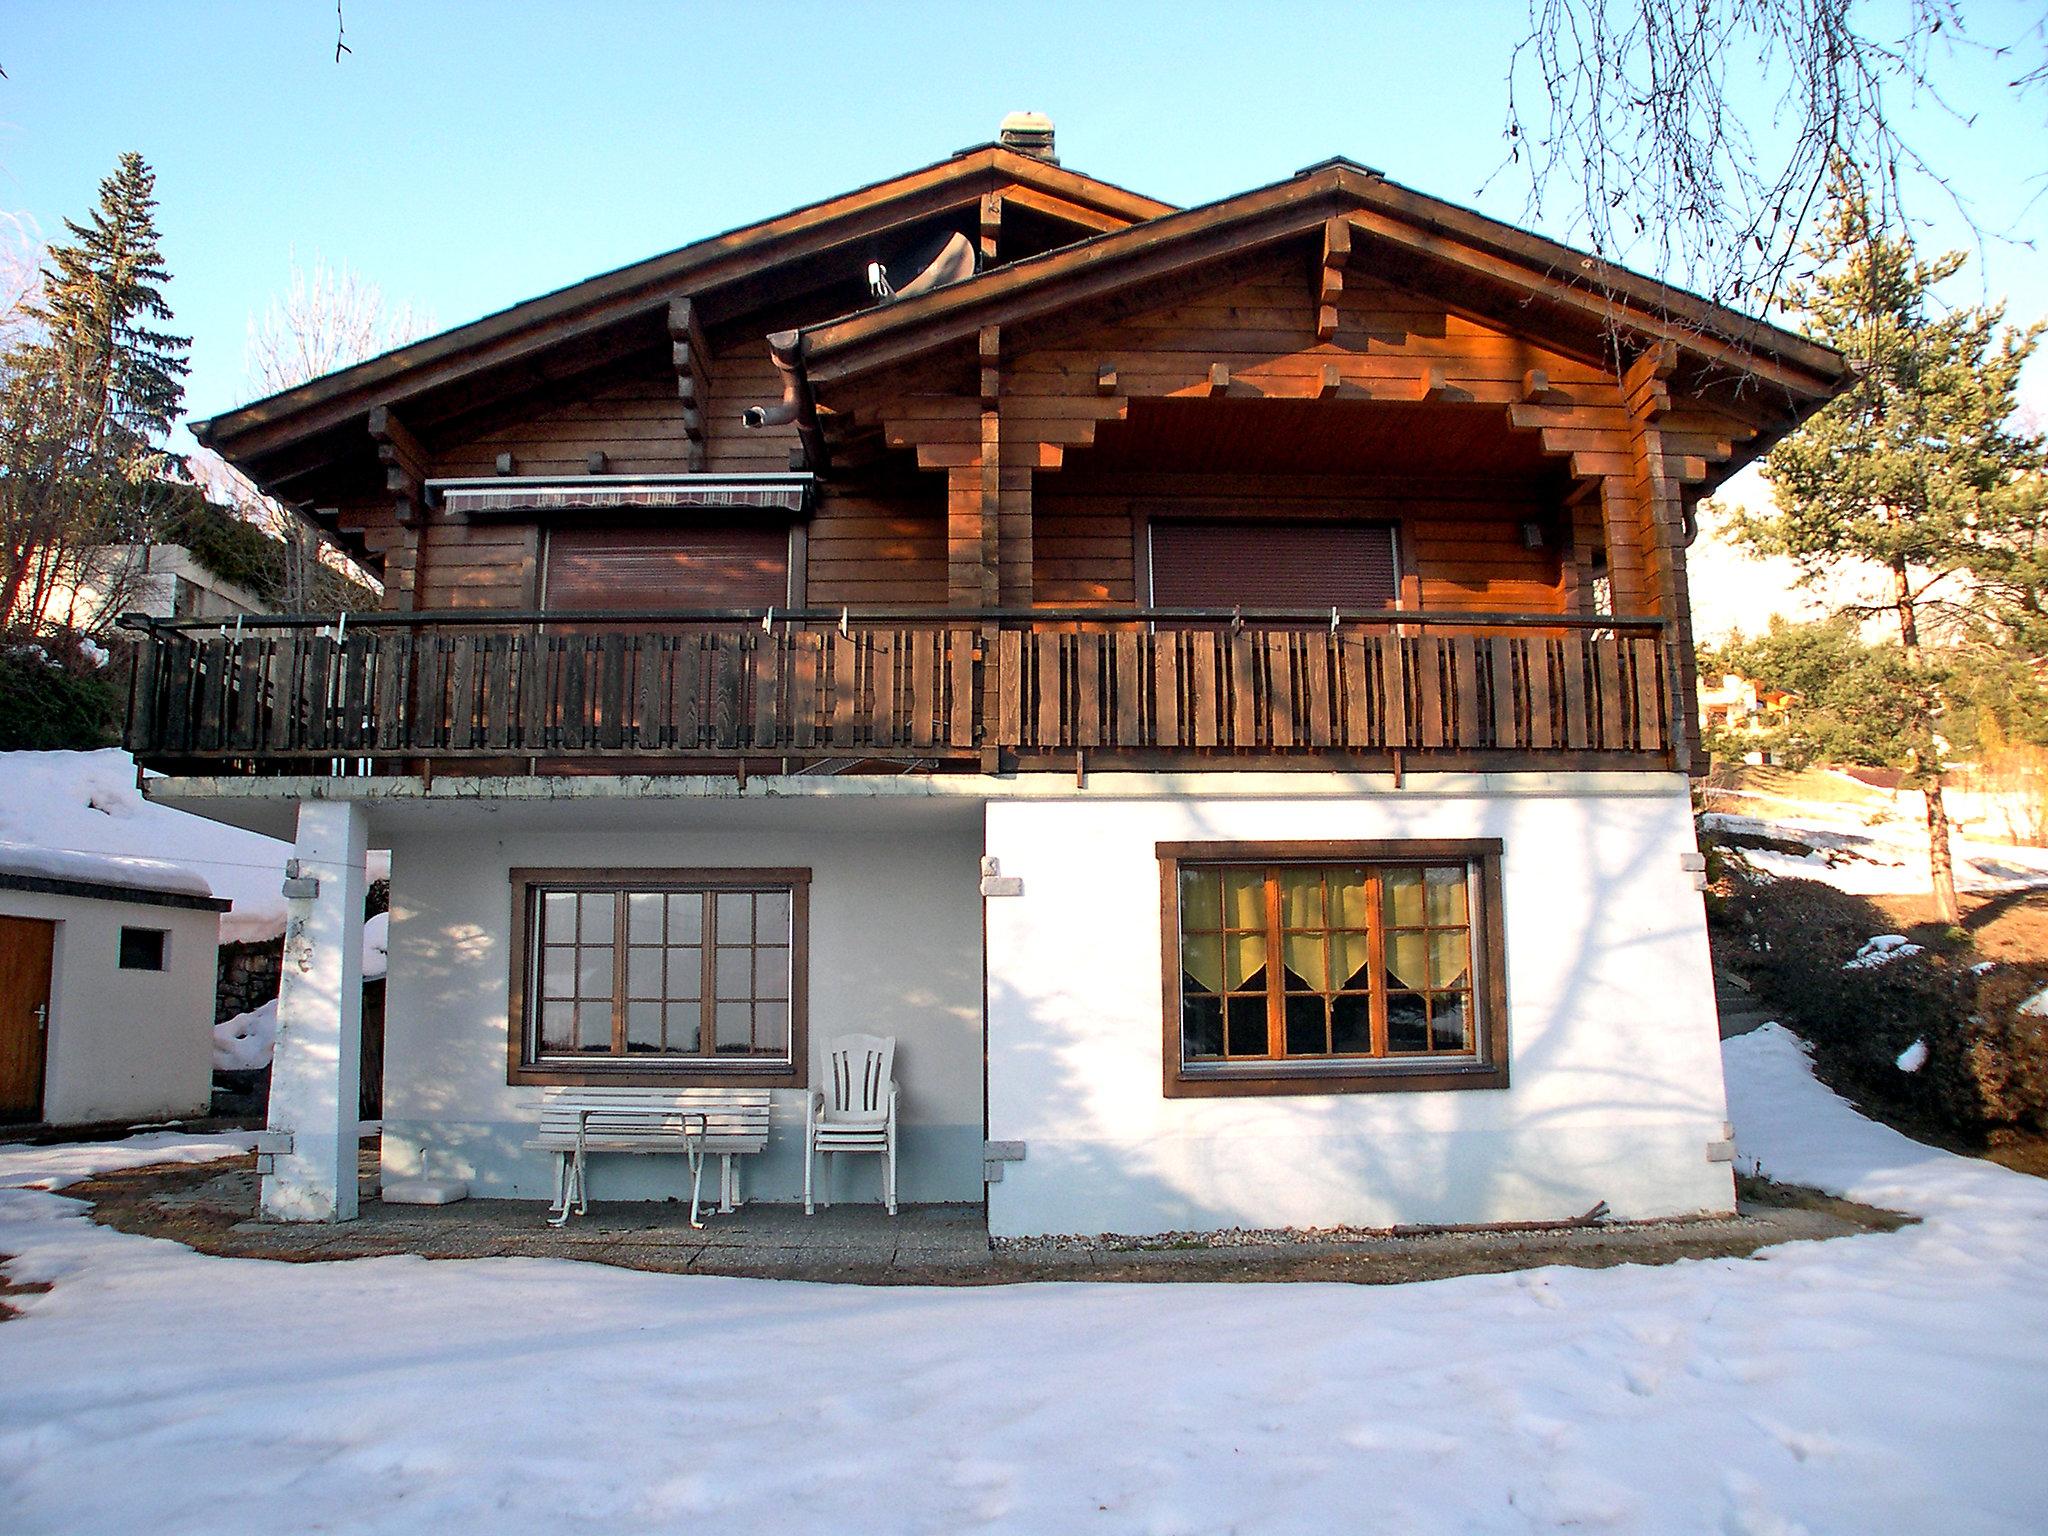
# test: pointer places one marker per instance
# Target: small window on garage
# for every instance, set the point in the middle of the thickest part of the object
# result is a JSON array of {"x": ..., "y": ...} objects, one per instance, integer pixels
[{"x": 143, "y": 949}]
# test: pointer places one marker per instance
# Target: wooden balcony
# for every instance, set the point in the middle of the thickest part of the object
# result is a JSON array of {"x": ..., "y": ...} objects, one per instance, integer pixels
[{"x": 759, "y": 692}]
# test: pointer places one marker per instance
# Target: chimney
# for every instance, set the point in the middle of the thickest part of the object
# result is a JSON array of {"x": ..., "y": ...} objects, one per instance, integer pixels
[{"x": 1028, "y": 133}]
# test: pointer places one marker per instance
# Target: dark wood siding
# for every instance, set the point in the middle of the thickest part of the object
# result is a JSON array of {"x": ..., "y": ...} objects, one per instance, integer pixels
[{"x": 1224, "y": 563}]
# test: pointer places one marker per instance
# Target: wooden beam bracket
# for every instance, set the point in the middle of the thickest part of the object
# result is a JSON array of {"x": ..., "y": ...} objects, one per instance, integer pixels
[
  {"x": 406, "y": 465},
  {"x": 1330, "y": 275},
  {"x": 693, "y": 373}
]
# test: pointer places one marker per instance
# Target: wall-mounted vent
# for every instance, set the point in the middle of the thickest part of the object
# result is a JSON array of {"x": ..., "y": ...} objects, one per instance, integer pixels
[{"x": 1028, "y": 133}]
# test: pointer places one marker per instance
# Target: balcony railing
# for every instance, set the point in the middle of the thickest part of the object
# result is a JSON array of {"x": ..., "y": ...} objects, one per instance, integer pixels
[{"x": 398, "y": 693}]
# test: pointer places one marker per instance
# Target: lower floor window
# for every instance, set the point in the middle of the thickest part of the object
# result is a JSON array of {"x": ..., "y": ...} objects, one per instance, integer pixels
[
  {"x": 671, "y": 971},
  {"x": 1324, "y": 961}
]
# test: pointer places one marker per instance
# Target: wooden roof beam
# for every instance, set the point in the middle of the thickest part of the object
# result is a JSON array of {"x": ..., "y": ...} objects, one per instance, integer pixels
[
  {"x": 1330, "y": 275},
  {"x": 693, "y": 373},
  {"x": 406, "y": 464}
]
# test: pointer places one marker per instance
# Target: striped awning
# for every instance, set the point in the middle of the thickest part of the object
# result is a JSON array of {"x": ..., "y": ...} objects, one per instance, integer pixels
[{"x": 506, "y": 496}]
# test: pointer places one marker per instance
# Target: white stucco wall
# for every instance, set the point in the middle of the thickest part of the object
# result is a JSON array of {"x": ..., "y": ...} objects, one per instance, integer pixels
[
  {"x": 895, "y": 948},
  {"x": 124, "y": 1045},
  {"x": 1613, "y": 1045}
]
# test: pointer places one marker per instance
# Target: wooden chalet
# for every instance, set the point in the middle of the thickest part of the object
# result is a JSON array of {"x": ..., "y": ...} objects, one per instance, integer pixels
[{"x": 995, "y": 485}]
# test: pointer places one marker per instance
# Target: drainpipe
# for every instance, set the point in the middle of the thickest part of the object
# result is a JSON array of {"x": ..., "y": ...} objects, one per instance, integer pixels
[{"x": 797, "y": 406}]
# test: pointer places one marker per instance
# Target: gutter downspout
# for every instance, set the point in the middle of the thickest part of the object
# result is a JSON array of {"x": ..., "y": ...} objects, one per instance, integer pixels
[{"x": 786, "y": 348}]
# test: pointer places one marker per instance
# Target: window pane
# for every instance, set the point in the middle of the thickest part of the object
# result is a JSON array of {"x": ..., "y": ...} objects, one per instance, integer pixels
[
  {"x": 1351, "y": 960},
  {"x": 771, "y": 972},
  {"x": 1301, "y": 898},
  {"x": 1446, "y": 891},
  {"x": 558, "y": 916},
  {"x": 1408, "y": 959},
  {"x": 771, "y": 917},
  {"x": 685, "y": 918},
  {"x": 1403, "y": 889},
  {"x": 1201, "y": 958},
  {"x": 1201, "y": 900},
  {"x": 643, "y": 917},
  {"x": 685, "y": 973},
  {"x": 1348, "y": 907},
  {"x": 1450, "y": 957},
  {"x": 1450, "y": 1022},
  {"x": 1351, "y": 1025},
  {"x": 594, "y": 972},
  {"x": 735, "y": 917},
  {"x": 735, "y": 1028},
  {"x": 1201, "y": 1027},
  {"x": 643, "y": 1026},
  {"x": 1306, "y": 962},
  {"x": 771, "y": 1028},
  {"x": 557, "y": 1026},
  {"x": 735, "y": 973},
  {"x": 685, "y": 1028},
  {"x": 1244, "y": 956},
  {"x": 597, "y": 916},
  {"x": 1407, "y": 1023},
  {"x": 1306, "y": 1025},
  {"x": 558, "y": 972},
  {"x": 1244, "y": 898},
  {"x": 594, "y": 1026},
  {"x": 643, "y": 973},
  {"x": 1247, "y": 1017}
]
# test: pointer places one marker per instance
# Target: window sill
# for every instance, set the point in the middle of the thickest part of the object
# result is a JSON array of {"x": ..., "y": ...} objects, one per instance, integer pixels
[
  {"x": 1262, "y": 1082},
  {"x": 636, "y": 1074}
]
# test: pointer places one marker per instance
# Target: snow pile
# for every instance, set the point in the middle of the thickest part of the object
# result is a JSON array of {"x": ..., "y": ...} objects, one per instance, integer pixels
[
  {"x": 86, "y": 803},
  {"x": 2037, "y": 1005},
  {"x": 376, "y": 945},
  {"x": 1877, "y": 1384},
  {"x": 244, "y": 1043},
  {"x": 124, "y": 870},
  {"x": 1913, "y": 1057},
  {"x": 1881, "y": 949}
]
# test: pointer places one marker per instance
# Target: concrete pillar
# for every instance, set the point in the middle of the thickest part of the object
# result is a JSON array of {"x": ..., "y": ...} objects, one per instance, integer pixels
[{"x": 314, "y": 1075}]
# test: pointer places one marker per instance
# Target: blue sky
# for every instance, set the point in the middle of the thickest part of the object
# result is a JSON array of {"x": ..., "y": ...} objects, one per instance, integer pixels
[{"x": 466, "y": 156}]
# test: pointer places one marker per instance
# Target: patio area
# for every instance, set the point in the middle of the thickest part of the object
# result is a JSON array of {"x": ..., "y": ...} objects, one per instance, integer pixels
[{"x": 211, "y": 1208}]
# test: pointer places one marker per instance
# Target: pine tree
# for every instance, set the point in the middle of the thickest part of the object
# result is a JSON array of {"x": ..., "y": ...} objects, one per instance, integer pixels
[
  {"x": 85, "y": 402},
  {"x": 1913, "y": 473},
  {"x": 102, "y": 301}
]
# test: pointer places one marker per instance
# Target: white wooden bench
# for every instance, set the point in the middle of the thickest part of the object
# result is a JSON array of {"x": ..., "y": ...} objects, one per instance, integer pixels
[{"x": 575, "y": 1122}]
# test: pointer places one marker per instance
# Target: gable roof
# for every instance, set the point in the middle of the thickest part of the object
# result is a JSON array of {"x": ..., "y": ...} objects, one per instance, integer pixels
[
  {"x": 509, "y": 336},
  {"x": 1531, "y": 283}
]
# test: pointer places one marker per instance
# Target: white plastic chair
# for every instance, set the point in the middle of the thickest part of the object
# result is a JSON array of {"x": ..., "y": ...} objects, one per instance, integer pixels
[{"x": 855, "y": 1111}]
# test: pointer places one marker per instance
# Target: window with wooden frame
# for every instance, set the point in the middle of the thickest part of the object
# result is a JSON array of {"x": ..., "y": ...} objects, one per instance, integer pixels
[
  {"x": 668, "y": 976},
  {"x": 1317, "y": 967}
]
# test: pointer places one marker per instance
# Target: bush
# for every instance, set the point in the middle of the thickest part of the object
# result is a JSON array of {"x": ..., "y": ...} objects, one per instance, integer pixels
[
  {"x": 48, "y": 707},
  {"x": 1986, "y": 1069}
]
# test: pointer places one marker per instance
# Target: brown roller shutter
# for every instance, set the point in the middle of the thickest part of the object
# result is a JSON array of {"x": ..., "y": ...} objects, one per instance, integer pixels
[
  {"x": 619, "y": 569},
  {"x": 1226, "y": 564}
]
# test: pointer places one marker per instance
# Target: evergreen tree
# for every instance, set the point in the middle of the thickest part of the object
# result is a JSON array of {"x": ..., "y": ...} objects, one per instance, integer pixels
[
  {"x": 1915, "y": 473},
  {"x": 102, "y": 303},
  {"x": 86, "y": 400}
]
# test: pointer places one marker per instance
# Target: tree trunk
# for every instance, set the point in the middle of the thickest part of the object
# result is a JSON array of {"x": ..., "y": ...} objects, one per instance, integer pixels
[{"x": 1941, "y": 864}]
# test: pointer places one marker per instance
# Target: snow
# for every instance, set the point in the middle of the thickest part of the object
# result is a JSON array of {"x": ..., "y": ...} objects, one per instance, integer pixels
[
  {"x": 1883, "y": 1383},
  {"x": 1876, "y": 846},
  {"x": 126, "y": 871},
  {"x": 376, "y": 945},
  {"x": 1913, "y": 1057},
  {"x": 2037, "y": 1005},
  {"x": 244, "y": 1043},
  {"x": 86, "y": 803},
  {"x": 1881, "y": 949}
]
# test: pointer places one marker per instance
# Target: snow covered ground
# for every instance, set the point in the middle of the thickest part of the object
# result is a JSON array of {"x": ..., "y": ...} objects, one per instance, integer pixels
[
  {"x": 1892, "y": 1383},
  {"x": 1876, "y": 846}
]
